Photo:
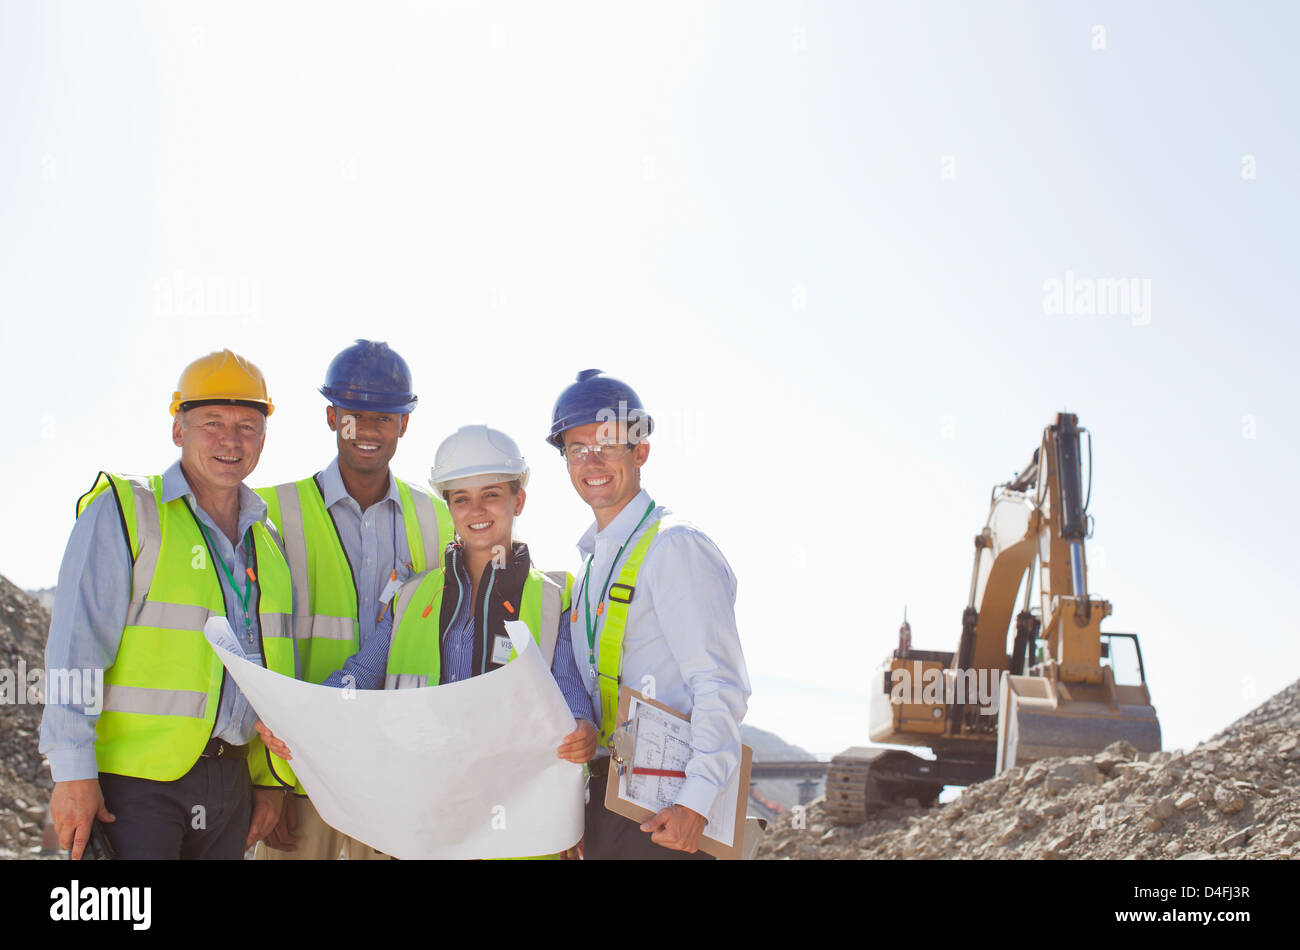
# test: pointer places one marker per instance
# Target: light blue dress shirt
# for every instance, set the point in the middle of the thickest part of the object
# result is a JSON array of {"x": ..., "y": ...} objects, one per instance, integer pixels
[
  {"x": 89, "y": 616},
  {"x": 681, "y": 641}
]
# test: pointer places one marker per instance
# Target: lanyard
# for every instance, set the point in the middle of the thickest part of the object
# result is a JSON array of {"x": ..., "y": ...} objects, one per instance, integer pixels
[
  {"x": 248, "y": 581},
  {"x": 600, "y": 604}
]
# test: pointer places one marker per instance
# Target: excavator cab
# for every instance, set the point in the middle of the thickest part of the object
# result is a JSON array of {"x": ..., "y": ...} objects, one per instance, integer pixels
[{"x": 1122, "y": 652}]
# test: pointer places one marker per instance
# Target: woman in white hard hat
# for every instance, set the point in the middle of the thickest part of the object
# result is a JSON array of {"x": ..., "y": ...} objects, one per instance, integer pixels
[{"x": 449, "y": 629}]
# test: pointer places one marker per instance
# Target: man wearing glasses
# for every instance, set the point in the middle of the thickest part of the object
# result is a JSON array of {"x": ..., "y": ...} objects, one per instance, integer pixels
[{"x": 653, "y": 607}]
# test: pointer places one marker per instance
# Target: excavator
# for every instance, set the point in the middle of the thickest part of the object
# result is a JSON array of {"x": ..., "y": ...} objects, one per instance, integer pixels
[{"x": 982, "y": 710}]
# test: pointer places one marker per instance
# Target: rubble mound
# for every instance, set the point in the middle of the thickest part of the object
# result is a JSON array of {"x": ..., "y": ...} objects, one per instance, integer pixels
[
  {"x": 24, "y": 778},
  {"x": 1236, "y": 795}
]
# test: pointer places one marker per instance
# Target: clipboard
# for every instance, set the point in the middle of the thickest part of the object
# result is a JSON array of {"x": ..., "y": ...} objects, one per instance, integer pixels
[{"x": 625, "y": 743}]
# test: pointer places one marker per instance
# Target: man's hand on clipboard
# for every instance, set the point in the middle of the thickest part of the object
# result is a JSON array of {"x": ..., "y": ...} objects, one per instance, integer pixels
[{"x": 676, "y": 828}]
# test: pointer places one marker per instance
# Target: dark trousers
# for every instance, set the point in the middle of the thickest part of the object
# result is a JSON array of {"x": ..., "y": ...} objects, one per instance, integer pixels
[
  {"x": 203, "y": 814},
  {"x": 609, "y": 836}
]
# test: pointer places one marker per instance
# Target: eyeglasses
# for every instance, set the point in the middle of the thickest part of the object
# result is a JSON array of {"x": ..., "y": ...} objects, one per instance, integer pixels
[{"x": 576, "y": 453}]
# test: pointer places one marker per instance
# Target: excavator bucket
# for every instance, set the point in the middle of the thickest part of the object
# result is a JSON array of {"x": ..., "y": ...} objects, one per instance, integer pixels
[{"x": 1039, "y": 716}]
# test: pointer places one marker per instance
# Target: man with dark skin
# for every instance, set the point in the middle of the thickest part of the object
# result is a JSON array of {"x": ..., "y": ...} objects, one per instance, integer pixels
[{"x": 353, "y": 533}]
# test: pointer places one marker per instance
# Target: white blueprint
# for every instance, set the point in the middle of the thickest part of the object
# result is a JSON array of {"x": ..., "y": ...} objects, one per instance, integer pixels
[{"x": 464, "y": 770}]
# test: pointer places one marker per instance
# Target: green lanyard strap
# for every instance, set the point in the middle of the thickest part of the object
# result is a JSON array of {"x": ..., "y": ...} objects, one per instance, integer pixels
[
  {"x": 610, "y": 669},
  {"x": 600, "y": 604},
  {"x": 248, "y": 574}
]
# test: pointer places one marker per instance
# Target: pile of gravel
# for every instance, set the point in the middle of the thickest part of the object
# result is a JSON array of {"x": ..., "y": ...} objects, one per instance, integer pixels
[
  {"x": 1234, "y": 796},
  {"x": 25, "y": 781}
]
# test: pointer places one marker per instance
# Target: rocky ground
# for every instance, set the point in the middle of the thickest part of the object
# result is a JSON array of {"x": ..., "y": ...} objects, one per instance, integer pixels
[
  {"x": 1234, "y": 796},
  {"x": 24, "y": 779}
]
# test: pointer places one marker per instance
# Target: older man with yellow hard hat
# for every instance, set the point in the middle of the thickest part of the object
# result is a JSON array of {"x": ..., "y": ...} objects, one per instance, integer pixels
[{"x": 168, "y": 762}]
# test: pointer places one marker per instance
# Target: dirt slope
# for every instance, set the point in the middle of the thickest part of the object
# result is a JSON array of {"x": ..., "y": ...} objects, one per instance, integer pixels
[
  {"x": 24, "y": 780},
  {"x": 1234, "y": 796}
]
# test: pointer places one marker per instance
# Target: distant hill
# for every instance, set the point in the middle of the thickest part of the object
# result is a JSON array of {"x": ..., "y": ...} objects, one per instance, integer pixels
[{"x": 769, "y": 747}]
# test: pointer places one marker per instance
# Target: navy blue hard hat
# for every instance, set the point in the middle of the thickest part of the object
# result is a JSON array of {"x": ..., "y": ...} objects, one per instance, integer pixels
[
  {"x": 369, "y": 377},
  {"x": 595, "y": 397}
]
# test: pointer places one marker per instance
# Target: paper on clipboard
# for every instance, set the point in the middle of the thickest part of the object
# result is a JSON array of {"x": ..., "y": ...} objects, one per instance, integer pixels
[{"x": 659, "y": 738}]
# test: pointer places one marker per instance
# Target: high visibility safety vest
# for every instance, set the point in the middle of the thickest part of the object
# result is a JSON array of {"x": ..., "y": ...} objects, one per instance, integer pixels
[
  {"x": 164, "y": 688},
  {"x": 326, "y": 625},
  {"x": 415, "y": 654},
  {"x": 609, "y": 659}
]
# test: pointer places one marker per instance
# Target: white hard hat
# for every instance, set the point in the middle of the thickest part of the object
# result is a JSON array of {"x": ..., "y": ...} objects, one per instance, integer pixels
[{"x": 477, "y": 455}]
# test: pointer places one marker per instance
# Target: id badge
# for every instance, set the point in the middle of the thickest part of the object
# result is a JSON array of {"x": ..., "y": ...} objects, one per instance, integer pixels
[
  {"x": 501, "y": 648},
  {"x": 390, "y": 590}
]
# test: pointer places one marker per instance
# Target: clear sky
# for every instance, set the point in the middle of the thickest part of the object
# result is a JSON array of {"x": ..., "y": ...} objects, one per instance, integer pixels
[{"x": 818, "y": 238}]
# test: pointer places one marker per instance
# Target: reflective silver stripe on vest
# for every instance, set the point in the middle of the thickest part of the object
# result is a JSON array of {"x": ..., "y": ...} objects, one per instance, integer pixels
[
  {"x": 404, "y": 596},
  {"x": 428, "y": 521},
  {"x": 166, "y": 616},
  {"x": 156, "y": 613},
  {"x": 277, "y": 625},
  {"x": 550, "y": 632},
  {"x": 149, "y": 537},
  {"x": 328, "y": 628},
  {"x": 406, "y": 681},
  {"x": 156, "y": 702},
  {"x": 295, "y": 552}
]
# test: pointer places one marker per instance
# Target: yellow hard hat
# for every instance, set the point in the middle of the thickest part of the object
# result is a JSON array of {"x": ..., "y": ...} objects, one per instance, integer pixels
[{"x": 223, "y": 377}]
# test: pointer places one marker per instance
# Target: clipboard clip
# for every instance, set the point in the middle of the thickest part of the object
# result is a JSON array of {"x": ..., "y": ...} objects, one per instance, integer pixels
[{"x": 622, "y": 746}]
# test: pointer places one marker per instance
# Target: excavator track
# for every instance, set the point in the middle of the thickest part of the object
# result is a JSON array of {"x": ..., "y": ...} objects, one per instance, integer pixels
[{"x": 861, "y": 780}]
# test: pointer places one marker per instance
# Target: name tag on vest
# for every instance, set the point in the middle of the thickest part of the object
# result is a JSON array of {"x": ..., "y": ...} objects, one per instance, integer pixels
[
  {"x": 390, "y": 589},
  {"x": 501, "y": 648}
]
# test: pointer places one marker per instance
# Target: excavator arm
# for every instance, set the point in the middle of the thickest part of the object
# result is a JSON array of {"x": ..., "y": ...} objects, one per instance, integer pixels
[{"x": 1069, "y": 703}]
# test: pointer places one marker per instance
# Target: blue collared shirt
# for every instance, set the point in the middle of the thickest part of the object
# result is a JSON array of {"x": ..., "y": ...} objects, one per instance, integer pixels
[{"x": 89, "y": 616}]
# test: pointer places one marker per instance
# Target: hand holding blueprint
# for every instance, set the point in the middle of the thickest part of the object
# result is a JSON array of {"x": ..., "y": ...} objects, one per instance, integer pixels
[{"x": 464, "y": 770}]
